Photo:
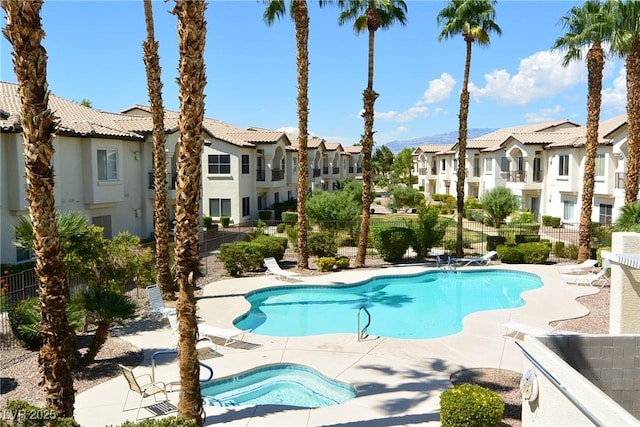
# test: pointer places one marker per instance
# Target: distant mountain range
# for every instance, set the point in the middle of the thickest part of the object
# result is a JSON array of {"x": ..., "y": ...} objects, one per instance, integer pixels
[{"x": 442, "y": 138}]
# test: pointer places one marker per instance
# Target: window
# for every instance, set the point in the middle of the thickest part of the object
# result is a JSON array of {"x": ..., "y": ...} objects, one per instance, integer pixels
[
  {"x": 443, "y": 165},
  {"x": 606, "y": 214},
  {"x": 488, "y": 165},
  {"x": 245, "y": 164},
  {"x": 567, "y": 213},
  {"x": 23, "y": 254},
  {"x": 219, "y": 163},
  {"x": 599, "y": 167},
  {"x": 246, "y": 209},
  {"x": 276, "y": 197},
  {"x": 107, "y": 165},
  {"x": 261, "y": 201},
  {"x": 504, "y": 164},
  {"x": 219, "y": 207},
  {"x": 563, "y": 165}
]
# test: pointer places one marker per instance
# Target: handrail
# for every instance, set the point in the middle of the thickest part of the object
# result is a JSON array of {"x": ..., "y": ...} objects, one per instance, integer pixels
[
  {"x": 165, "y": 352},
  {"x": 362, "y": 333},
  {"x": 587, "y": 413}
]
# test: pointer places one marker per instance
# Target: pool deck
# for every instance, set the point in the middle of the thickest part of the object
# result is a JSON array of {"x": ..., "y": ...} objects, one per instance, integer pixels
[{"x": 398, "y": 381}]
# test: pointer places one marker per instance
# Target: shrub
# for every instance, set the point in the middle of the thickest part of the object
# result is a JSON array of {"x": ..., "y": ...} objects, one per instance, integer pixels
[
  {"x": 281, "y": 227},
  {"x": 509, "y": 254},
  {"x": 534, "y": 252},
  {"x": 273, "y": 246},
  {"x": 224, "y": 221},
  {"x": 499, "y": 203},
  {"x": 392, "y": 242},
  {"x": 207, "y": 221},
  {"x": 342, "y": 262},
  {"x": 527, "y": 238},
  {"x": 25, "y": 318},
  {"x": 290, "y": 218},
  {"x": 322, "y": 244},
  {"x": 292, "y": 234},
  {"x": 326, "y": 263},
  {"x": 478, "y": 215},
  {"x": 472, "y": 204},
  {"x": 551, "y": 221},
  {"x": 471, "y": 405},
  {"x": 264, "y": 215},
  {"x": 241, "y": 257},
  {"x": 161, "y": 422},
  {"x": 520, "y": 217},
  {"x": 428, "y": 230},
  {"x": 20, "y": 413}
]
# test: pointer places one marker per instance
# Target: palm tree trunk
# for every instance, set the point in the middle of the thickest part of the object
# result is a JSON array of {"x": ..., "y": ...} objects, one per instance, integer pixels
[
  {"x": 192, "y": 80},
  {"x": 161, "y": 221},
  {"x": 301, "y": 19},
  {"x": 100, "y": 337},
  {"x": 462, "y": 147},
  {"x": 369, "y": 97},
  {"x": 595, "y": 66},
  {"x": 24, "y": 31},
  {"x": 633, "y": 119}
]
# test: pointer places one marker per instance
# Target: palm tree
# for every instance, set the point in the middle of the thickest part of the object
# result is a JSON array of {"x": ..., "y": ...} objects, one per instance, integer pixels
[
  {"x": 192, "y": 33},
  {"x": 629, "y": 219},
  {"x": 474, "y": 20},
  {"x": 625, "y": 41},
  {"x": 587, "y": 25},
  {"x": 369, "y": 15},
  {"x": 161, "y": 219},
  {"x": 25, "y": 33},
  {"x": 300, "y": 13}
]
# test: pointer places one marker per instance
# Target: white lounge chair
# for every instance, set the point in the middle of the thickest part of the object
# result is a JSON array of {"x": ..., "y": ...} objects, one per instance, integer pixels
[
  {"x": 483, "y": 260},
  {"x": 274, "y": 268},
  {"x": 590, "y": 278},
  {"x": 586, "y": 266},
  {"x": 515, "y": 330},
  {"x": 202, "y": 342},
  {"x": 157, "y": 304}
]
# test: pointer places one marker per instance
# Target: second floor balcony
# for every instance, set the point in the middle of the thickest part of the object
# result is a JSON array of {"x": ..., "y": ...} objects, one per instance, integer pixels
[
  {"x": 171, "y": 181},
  {"x": 335, "y": 171},
  {"x": 621, "y": 177},
  {"x": 316, "y": 172},
  {"x": 260, "y": 175},
  {"x": 516, "y": 176},
  {"x": 277, "y": 175}
]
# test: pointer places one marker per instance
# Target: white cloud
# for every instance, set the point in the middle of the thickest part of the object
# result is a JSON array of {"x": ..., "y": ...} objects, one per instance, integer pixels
[
  {"x": 289, "y": 129},
  {"x": 544, "y": 115},
  {"x": 439, "y": 89},
  {"x": 403, "y": 116},
  {"x": 615, "y": 97},
  {"x": 541, "y": 75}
]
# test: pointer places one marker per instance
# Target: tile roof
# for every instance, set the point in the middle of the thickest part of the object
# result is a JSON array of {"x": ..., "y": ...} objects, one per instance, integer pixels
[
  {"x": 607, "y": 127},
  {"x": 433, "y": 148}
]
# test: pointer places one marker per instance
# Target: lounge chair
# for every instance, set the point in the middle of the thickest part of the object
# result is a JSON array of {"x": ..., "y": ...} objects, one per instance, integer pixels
[
  {"x": 590, "y": 278},
  {"x": 201, "y": 342},
  {"x": 157, "y": 304},
  {"x": 515, "y": 330},
  {"x": 483, "y": 260},
  {"x": 274, "y": 268},
  {"x": 144, "y": 389},
  {"x": 586, "y": 266}
]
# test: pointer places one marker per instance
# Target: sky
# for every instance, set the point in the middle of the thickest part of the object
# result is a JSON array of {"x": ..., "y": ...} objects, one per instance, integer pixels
[{"x": 95, "y": 52}]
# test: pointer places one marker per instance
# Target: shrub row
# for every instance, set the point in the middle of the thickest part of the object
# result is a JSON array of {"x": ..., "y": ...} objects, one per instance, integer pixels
[
  {"x": 240, "y": 257},
  {"x": 551, "y": 221},
  {"x": 525, "y": 253}
]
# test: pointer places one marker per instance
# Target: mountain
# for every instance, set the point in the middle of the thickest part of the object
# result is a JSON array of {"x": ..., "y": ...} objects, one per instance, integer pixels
[{"x": 442, "y": 138}]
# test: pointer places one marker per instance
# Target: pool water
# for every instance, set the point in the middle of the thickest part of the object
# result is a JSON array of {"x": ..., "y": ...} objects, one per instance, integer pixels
[
  {"x": 278, "y": 384},
  {"x": 427, "y": 305}
]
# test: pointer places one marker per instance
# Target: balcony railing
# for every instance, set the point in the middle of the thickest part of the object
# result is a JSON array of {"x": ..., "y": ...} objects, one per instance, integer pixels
[
  {"x": 516, "y": 176},
  {"x": 621, "y": 178},
  {"x": 260, "y": 175},
  {"x": 336, "y": 171},
  {"x": 422, "y": 171},
  {"x": 171, "y": 181},
  {"x": 316, "y": 173},
  {"x": 277, "y": 175},
  {"x": 359, "y": 169},
  {"x": 325, "y": 170},
  {"x": 351, "y": 169}
]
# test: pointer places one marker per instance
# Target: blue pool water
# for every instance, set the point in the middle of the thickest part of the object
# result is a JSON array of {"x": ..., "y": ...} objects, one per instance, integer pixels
[
  {"x": 278, "y": 384},
  {"x": 426, "y": 305}
]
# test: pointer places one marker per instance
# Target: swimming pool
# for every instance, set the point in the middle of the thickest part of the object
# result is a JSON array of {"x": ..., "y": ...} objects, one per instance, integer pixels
[
  {"x": 425, "y": 305},
  {"x": 277, "y": 384}
]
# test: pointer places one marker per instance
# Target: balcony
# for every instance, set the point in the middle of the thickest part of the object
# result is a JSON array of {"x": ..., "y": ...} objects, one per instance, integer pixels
[
  {"x": 260, "y": 175},
  {"x": 336, "y": 171},
  {"x": 621, "y": 177},
  {"x": 422, "y": 171},
  {"x": 171, "y": 181},
  {"x": 351, "y": 169},
  {"x": 537, "y": 175},
  {"x": 316, "y": 173},
  {"x": 476, "y": 172},
  {"x": 277, "y": 175},
  {"x": 516, "y": 176},
  {"x": 325, "y": 170}
]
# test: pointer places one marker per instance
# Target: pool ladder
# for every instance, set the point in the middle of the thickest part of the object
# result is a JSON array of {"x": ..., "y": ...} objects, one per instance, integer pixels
[
  {"x": 362, "y": 333},
  {"x": 444, "y": 267}
]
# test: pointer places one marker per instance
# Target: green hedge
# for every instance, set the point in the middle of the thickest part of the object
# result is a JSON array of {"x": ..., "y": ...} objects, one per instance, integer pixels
[
  {"x": 471, "y": 405},
  {"x": 265, "y": 215},
  {"x": 392, "y": 242},
  {"x": 551, "y": 221},
  {"x": 290, "y": 218},
  {"x": 241, "y": 257},
  {"x": 322, "y": 244},
  {"x": 524, "y": 253}
]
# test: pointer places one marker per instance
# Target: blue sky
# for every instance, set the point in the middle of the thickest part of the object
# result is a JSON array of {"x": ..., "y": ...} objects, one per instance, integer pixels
[{"x": 95, "y": 53}]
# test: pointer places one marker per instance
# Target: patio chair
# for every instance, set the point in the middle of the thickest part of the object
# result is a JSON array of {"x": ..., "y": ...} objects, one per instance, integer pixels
[
  {"x": 274, "y": 268},
  {"x": 144, "y": 389},
  {"x": 483, "y": 260},
  {"x": 590, "y": 278},
  {"x": 157, "y": 304},
  {"x": 586, "y": 266}
]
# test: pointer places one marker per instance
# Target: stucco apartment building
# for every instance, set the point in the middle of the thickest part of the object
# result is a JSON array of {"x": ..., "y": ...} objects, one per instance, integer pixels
[
  {"x": 104, "y": 168},
  {"x": 542, "y": 164}
]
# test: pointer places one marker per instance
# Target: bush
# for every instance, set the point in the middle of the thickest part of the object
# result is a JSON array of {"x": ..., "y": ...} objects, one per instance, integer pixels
[
  {"x": 326, "y": 263},
  {"x": 472, "y": 204},
  {"x": 161, "y": 422},
  {"x": 499, "y": 203},
  {"x": 241, "y": 257},
  {"x": 471, "y": 405},
  {"x": 509, "y": 254},
  {"x": 273, "y": 246},
  {"x": 534, "y": 252},
  {"x": 290, "y": 218},
  {"x": 342, "y": 262},
  {"x": 322, "y": 244},
  {"x": 478, "y": 215},
  {"x": 392, "y": 242},
  {"x": 292, "y": 234},
  {"x": 281, "y": 227},
  {"x": 428, "y": 230},
  {"x": 224, "y": 221},
  {"x": 25, "y": 318},
  {"x": 551, "y": 221},
  {"x": 527, "y": 238},
  {"x": 207, "y": 221},
  {"x": 264, "y": 215},
  {"x": 20, "y": 413},
  {"x": 520, "y": 217}
]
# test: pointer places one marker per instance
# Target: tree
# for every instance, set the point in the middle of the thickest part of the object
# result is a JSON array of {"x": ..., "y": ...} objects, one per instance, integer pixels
[
  {"x": 383, "y": 160},
  {"x": 369, "y": 15},
  {"x": 160, "y": 214},
  {"x": 406, "y": 196},
  {"x": 86, "y": 103},
  {"x": 300, "y": 13},
  {"x": 428, "y": 229},
  {"x": 625, "y": 41},
  {"x": 499, "y": 203},
  {"x": 587, "y": 25},
  {"x": 474, "y": 20},
  {"x": 191, "y": 82},
  {"x": 25, "y": 33},
  {"x": 629, "y": 219},
  {"x": 403, "y": 164}
]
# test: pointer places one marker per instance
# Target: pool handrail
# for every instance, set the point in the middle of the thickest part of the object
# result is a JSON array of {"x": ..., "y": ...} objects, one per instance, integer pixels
[
  {"x": 362, "y": 333},
  {"x": 165, "y": 352}
]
